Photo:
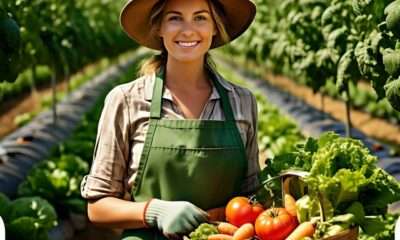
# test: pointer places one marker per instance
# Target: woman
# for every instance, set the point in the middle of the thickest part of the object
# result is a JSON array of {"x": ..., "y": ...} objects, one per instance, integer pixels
[{"x": 180, "y": 140}]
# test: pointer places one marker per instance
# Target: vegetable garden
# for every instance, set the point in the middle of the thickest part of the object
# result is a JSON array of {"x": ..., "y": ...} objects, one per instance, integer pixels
[
  {"x": 317, "y": 184},
  {"x": 330, "y": 46}
]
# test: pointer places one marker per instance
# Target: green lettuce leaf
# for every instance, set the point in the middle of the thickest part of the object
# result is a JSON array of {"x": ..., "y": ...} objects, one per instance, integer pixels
[
  {"x": 35, "y": 207},
  {"x": 4, "y": 206},
  {"x": 381, "y": 190},
  {"x": 392, "y": 90},
  {"x": 30, "y": 218}
]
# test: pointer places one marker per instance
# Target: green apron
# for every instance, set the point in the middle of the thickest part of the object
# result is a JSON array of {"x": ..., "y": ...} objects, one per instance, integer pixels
[{"x": 200, "y": 161}]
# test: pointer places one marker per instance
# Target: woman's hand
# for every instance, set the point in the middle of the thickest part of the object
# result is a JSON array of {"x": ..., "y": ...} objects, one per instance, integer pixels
[{"x": 173, "y": 218}]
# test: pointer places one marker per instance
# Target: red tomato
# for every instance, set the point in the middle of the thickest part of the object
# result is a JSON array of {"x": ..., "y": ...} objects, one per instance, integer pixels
[
  {"x": 275, "y": 224},
  {"x": 241, "y": 210}
]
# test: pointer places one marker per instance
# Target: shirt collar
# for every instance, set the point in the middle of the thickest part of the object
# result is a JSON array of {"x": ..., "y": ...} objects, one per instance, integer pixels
[{"x": 149, "y": 83}]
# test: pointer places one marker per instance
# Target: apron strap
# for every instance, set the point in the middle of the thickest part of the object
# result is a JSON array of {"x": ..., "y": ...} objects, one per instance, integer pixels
[
  {"x": 230, "y": 118},
  {"x": 156, "y": 105},
  {"x": 226, "y": 106},
  {"x": 156, "y": 101}
]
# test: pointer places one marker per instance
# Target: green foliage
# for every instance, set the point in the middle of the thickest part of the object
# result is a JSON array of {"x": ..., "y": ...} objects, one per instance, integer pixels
[
  {"x": 379, "y": 227},
  {"x": 392, "y": 12},
  {"x": 56, "y": 180},
  {"x": 9, "y": 46},
  {"x": 316, "y": 42},
  {"x": 24, "y": 82},
  {"x": 391, "y": 60},
  {"x": 65, "y": 36},
  {"x": 29, "y": 218},
  {"x": 344, "y": 178},
  {"x": 393, "y": 93},
  {"x": 22, "y": 119},
  {"x": 278, "y": 134},
  {"x": 4, "y": 205},
  {"x": 344, "y": 171},
  {"x": 9, "y": 30}
]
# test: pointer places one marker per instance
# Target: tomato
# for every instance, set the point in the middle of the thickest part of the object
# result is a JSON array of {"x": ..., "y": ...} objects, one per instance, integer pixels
[
  {"x": 241, "y": 210},
  {"x": 275, "y": 224}
]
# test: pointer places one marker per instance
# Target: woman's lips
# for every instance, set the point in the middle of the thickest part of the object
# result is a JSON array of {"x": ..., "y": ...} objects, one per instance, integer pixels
[{"x": 191, "y": 44}]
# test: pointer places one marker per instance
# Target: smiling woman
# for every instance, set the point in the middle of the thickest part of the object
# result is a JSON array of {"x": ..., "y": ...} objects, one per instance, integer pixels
[
  {"x": 179, "y": 141},
  {"x": 212, "y": 14}
]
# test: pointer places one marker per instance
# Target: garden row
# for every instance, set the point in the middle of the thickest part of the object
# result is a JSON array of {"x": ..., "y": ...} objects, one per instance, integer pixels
[
  {"x": 50, "y": 191},
  {"x": 75, "y": 82},
  {"x": 64, "y": 37},
  {"x": 330, "y": 43}
]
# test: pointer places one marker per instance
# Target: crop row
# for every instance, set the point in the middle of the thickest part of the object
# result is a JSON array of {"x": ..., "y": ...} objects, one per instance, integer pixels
[
  {"x": 320, "y": 41},
  {"x": 60, "y": 35}
]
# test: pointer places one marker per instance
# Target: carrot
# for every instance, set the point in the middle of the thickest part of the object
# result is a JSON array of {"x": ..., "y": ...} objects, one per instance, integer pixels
[
  {"x": 216, "y": 214},
  {"x": 219, "y": 237},
  {"x": 290, "y": 205},
  {"x": 244, "y": 232},
  {"x": 286, "y": 185},
  {"x": 306, "y": 229},
  {"x": 227, "y": 228}
]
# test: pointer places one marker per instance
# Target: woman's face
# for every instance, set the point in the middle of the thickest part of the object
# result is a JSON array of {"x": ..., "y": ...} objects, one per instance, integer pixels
[{"x": 187, "y": 29}]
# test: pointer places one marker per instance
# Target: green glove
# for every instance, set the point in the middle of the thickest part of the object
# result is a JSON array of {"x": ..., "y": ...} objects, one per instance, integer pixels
[{"x": 174, "y": 217}]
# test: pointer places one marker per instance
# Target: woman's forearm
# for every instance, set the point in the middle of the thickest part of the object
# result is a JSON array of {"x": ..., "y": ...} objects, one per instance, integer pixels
[{"x": 116, "y": 213}]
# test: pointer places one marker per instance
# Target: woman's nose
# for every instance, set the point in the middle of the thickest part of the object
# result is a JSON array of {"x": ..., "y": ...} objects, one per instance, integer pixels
[{"x": 187, "y": 29}]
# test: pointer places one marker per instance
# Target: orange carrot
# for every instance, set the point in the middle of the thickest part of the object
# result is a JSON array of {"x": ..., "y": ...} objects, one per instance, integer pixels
[
  {"x": 306, "y": 229},
  {"x": 227, "y": 228},
  {"x": 219, "y": 237},
  {"x": 290, "y": 205},
  {"x": 244, "y": 232},
  {"x": 286, "y": 185}
]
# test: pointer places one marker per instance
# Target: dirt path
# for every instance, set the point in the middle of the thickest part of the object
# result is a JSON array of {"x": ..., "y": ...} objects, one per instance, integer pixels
[
  {"x": 374, "y": 127},
  {"x": 24, "y": 103}
]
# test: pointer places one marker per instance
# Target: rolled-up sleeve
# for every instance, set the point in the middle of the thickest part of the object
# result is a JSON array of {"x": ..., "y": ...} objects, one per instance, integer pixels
[
  {"x": 252, "y": 152},
  {"x": 111, "y": 153}
]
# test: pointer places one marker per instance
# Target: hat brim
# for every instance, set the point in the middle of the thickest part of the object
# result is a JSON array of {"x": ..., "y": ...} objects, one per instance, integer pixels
[{"x": 135, "y": 16}]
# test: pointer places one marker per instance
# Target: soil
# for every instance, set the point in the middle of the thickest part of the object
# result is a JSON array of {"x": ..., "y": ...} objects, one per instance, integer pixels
[
  {"x": 24, "y": 103},
  {"x": 371, "y": 126}
]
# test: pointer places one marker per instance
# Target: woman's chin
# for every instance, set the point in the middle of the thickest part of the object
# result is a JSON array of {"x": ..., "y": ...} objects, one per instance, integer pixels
[{"x": 188, "y": 57}]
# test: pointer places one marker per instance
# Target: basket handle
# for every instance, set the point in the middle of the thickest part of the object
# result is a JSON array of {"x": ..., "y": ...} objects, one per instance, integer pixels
[{"x": 293, "y": 173}]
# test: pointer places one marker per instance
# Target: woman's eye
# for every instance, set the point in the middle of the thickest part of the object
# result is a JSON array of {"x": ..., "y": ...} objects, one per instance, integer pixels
[
  {"x": 174, "y": 18},
  {"x": 200, "y": 18}
]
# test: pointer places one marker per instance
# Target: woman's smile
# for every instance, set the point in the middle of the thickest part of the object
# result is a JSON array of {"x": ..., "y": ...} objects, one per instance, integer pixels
[{"x": 191, "y": 44}]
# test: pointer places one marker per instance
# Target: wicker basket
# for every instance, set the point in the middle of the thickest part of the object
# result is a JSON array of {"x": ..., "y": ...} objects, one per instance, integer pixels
[{"x": 350, "y": 234}]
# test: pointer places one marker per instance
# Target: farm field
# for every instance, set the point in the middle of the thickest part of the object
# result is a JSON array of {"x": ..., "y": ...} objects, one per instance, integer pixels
[{"x": 326, "y": 77}]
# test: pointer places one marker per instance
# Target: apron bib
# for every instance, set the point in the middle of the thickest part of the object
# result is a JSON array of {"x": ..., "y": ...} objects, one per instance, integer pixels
[{"x": 200, "y": 161}]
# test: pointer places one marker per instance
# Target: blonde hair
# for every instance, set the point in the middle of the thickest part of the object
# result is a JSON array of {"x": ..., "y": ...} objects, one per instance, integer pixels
[{"x": 154, "y": 63}]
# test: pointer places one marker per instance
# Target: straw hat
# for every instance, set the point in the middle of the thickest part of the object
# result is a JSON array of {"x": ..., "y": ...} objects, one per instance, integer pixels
[{"x": 135, "y": 20}]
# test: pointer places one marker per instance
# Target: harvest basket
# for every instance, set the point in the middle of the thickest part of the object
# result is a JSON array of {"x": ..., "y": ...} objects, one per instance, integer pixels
[
  {"x": 350, "y": 234},
  {"x": 287, "y": 176}
]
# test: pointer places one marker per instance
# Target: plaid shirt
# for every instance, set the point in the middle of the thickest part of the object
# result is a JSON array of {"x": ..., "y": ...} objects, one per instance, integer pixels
[{"x": 123, "y": 125}]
